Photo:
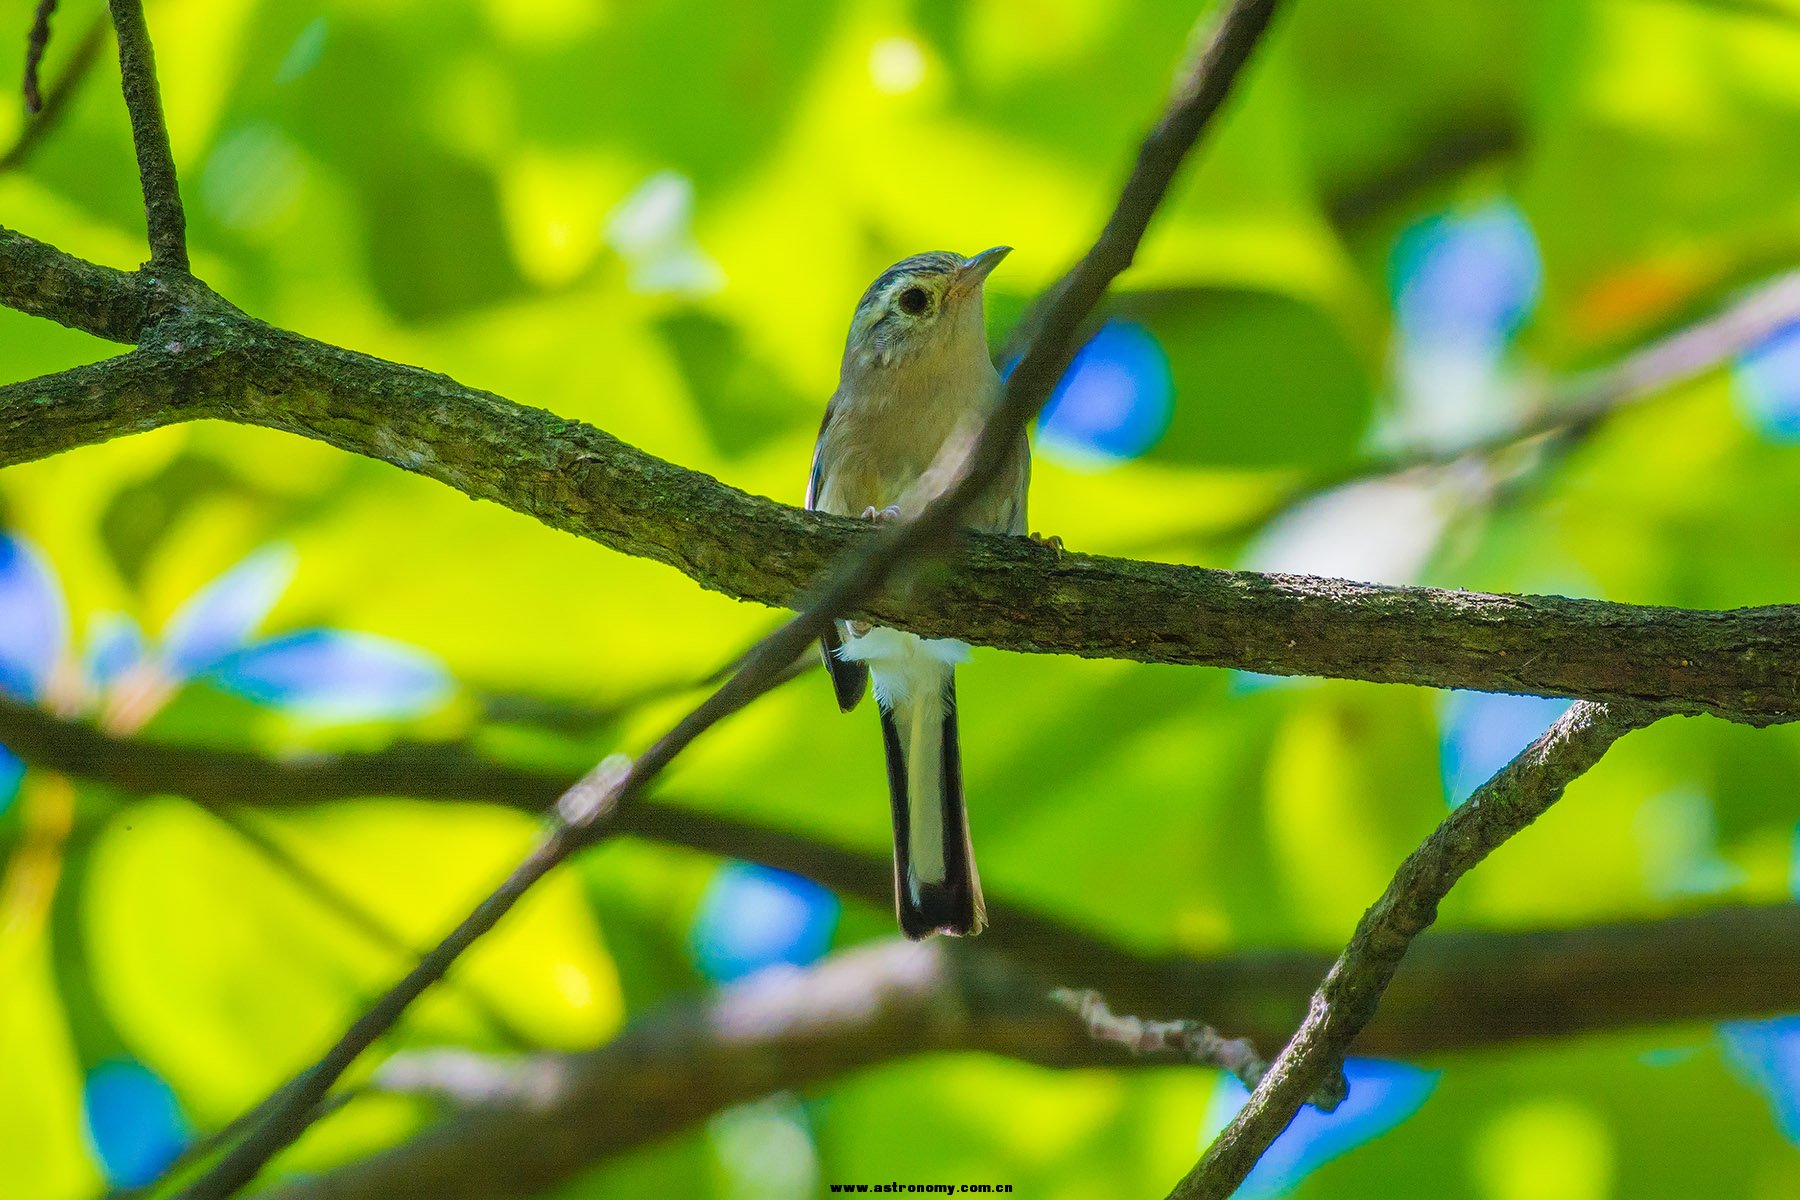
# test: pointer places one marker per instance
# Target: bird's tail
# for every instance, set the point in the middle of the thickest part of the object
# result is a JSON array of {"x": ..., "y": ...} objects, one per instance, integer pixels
[{"x": 936, "y": 888}]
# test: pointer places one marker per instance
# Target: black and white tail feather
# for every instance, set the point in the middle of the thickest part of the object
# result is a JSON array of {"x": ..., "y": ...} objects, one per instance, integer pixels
[{"x": 936, "y": 887}]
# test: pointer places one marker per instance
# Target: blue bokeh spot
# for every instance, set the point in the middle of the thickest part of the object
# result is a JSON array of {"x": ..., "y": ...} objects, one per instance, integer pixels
[
  {"x": 219, "y": 618},
  {"x": 1246, "y": 683},
  {"x": 33, "y": 622},
  {"x": 1469, "y": 277},
  {"x": 1480, "y": 732},
  {"x": 1767, "y": 1055},
  {"x": 1382, "y": 1095},
  {"x": 331, "y": 674},
  {"x": 115, "y": 645},
  {"x": 1794, "y": 866},
  {"x": 1768, "y": 385},
  {"x": 1116, "y": 399},
  {"x": 754, "y": 917},
  {"x": 12, "y": 773},
  {"x": 133, "y": 1122}
]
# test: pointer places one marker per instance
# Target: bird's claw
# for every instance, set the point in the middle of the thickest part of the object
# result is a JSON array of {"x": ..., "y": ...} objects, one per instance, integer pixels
[
  {"x": 890, "y": 513},
  {"x": 1048, "y": 541}
]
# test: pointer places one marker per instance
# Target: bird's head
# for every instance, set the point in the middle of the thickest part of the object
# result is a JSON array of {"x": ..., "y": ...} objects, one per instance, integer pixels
[{"x": 921, "y": 307}]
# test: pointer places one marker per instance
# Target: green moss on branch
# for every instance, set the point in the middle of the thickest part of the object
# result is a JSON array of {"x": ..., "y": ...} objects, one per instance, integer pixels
[{"x": 214, "y": 363}]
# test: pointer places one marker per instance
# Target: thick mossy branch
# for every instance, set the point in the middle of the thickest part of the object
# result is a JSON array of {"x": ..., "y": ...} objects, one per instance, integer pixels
[
  {"x": 211, "y": 362},
  {"x": 38, "y": 279}
]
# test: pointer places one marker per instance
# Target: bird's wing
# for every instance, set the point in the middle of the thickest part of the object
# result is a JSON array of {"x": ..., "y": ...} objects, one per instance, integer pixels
[
  {"x": 815, "y": 481},
  {"x": 850, "y": 680}
]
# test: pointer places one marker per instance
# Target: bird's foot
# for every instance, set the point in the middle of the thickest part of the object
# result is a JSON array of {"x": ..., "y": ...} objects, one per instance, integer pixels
[
  {"x": 890, "y": 513},
  {"x": 1048, "y": 541}
]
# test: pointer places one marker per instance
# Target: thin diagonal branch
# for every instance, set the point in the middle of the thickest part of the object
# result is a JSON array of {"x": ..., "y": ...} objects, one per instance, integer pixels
[
  {"x": 1520, "y": 793},
  {"x": 166, "y": 222},
  {"x": 365, "y": 921},
  {"x": 590, "y": 804},
  {"x": 1056, "y": 318}
]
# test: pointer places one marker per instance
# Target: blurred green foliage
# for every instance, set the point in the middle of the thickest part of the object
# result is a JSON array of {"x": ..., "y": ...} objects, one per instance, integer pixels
[{"x": 654, "y": 215}]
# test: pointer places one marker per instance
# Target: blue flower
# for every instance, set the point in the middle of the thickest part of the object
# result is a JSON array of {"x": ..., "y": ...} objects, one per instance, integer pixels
[
  {"x": 328, "y": 674},
  {"x": 323, "y": 674},
  {"x": 219, "y": 619},
  {"x": 1382, "y": 1095},
  {"x": 133, "y": 1121},
  {"x": 754, "y": 917}
]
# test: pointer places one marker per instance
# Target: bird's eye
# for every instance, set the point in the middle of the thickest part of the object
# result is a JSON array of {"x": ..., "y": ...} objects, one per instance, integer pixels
[{"x": 914, "y": 301}]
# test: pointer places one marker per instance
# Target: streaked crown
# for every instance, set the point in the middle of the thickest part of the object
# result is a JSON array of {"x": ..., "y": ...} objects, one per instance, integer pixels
[{"x": 914, "y": 298}]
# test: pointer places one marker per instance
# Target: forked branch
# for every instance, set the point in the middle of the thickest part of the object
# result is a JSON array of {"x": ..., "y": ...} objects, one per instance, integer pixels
[{"x": 1515, "y": 797}]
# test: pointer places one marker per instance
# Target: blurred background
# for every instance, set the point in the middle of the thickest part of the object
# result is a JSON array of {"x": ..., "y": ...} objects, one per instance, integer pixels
[{"x": 1416, "y": 228}]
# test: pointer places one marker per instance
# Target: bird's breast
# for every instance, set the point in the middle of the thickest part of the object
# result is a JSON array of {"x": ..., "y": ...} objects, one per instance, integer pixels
[{"x": 897, "y": 441}]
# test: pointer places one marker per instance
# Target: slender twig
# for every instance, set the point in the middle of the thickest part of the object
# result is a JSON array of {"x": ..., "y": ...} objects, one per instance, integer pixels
[
  {"x": 36, "y": 42},
  {"x": 55, "y": 100},
  {"x": 1572, "y": 409},
  {"x": 1564, "y": 414},
  {"x": 1521, "y": 792},
  {"x": 590, "y": 804},
  {"x": 150, "y": 135},
  {"x": 1189, "y": 1040},
  {"x": 1055, "y": 322},
  {"x": 1586, "y": 400}
]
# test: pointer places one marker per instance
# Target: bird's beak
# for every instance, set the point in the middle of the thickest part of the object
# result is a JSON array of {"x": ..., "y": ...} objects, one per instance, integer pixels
[{"x": 970, "y": 275}]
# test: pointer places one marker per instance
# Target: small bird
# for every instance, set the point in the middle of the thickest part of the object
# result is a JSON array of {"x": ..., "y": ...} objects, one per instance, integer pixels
[{"x": 915, "y": 386}]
